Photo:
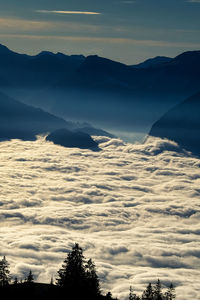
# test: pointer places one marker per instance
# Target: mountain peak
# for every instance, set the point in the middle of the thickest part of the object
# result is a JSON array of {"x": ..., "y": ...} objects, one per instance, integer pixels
[
  {"x": 4, "y": 49},
  {"x": 153, "y": 62},
  {"x": 188, "y": 56},
  {"x": 45, "y": 53},
  {"x": 95, "y": 62},
  {"x": 98, "y": 59}
]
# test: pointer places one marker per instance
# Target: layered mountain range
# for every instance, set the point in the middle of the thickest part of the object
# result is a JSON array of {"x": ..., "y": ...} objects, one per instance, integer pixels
[
  {"x": 108, "y": 94},
  {"x": 120, "y": 98}
]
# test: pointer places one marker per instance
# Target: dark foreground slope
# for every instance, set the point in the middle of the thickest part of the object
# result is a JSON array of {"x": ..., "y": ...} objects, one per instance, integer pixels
[
  {"x": 42, "y": 291},
  {"x": 181, "y": 124}
]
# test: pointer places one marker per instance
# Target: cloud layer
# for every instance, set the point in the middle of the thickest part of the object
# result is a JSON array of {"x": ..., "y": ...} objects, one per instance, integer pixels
[
  {"x": 68, "y": 12},
  {"x": 133, "y": 208}
]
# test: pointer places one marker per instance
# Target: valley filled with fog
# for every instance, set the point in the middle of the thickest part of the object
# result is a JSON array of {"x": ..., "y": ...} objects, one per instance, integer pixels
[{"x": 134, "y": 208}]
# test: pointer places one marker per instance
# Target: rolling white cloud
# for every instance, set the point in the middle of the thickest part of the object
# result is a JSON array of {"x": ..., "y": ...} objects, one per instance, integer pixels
[{"x": 133, "y": 208}]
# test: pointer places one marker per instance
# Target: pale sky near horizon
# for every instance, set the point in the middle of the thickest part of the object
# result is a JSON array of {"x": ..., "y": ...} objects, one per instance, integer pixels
[{"x": 125, "y": 30}]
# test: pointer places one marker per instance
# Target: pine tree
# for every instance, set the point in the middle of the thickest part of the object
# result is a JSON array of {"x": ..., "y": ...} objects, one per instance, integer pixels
[
  {"x": 133, "y": 296},
  {"x": 157, "y": 291},
  {"x": 77, "y": 277},
  {"x": 148, "y": 293},
  {"x": 15, "y": 282},
  {"x": 170, "y": 294},
  {"x": 30, "y": 277},
  {"x": 130, "y": 293},
  {"x": 109, "y": 296},
  {"x": 4, "y": 272},
  {"x": 92, "y": 278},
  {"x": 72, "y": 275}
]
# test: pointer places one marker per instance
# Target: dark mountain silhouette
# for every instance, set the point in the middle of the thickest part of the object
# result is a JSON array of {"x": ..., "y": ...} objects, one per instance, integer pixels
[
  {"x": 153, "y": 62},
  {"x": 105, "y": 93},
  {"x": 44, "y": 61},
  {"x": 100, "y": 72},
  {"x": 21, "y": 70},
  {"x": 76, "y": 69},
  {"x": 71, "y": 139},
  {"x": 181, "y": 124}
]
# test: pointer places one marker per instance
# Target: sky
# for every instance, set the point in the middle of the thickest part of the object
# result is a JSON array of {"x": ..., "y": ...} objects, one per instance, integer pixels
[
  {"x": 133, "y": 208},
  {"x": 129, "y": 31}
]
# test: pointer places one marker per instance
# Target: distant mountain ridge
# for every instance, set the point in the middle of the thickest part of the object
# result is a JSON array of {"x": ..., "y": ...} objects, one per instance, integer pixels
[
  {"x": 93, "y": 89},
  {"x": 71, "y": 68},
  {"x": 153, "y": 62},
  {"x": 8, "y": 57}
]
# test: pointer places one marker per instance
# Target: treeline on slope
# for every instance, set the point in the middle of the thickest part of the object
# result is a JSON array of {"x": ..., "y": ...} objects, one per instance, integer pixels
[{"x": 76, "y": 279}]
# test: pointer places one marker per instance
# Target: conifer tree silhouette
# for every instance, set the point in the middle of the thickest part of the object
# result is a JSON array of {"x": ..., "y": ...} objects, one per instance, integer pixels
[
  {"x": 72, "y": 273},
  {"x": 4, "y": 272},
  {"x": 30, "y": 277},
  {"x": 92, "y": 278},
  {"x": 170, "y": 294},
  {"x": 77, "y": 276},
  {"x": 148, "y": 293},
  {"x": 157, "y": 291}
]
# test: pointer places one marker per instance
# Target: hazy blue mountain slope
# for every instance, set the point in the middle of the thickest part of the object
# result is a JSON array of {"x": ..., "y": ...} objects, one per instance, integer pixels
[
  {"x": 181, "y": 124},
  {"x": 108, "y": 94},
  {"x": 18, "y": 120},
  {"x": 119, "y": 98}
]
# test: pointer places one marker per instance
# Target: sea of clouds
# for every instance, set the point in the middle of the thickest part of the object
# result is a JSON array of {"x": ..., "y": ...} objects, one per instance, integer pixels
[{"x": 134, "y": 209}]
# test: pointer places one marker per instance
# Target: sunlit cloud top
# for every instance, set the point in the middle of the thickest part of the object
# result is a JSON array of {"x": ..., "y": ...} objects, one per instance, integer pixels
[
  {"x": 68, "y": 12},
  {"x": 118, "y": 203}
]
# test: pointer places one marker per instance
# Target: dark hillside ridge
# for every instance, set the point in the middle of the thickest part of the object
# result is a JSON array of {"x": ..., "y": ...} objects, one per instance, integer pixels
[
  {"x": 47, "y": 68},
  {"x": 153, "y": 62},
  {"x": 181, "y": 124},
  {"x": 41, "y": 291}
]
